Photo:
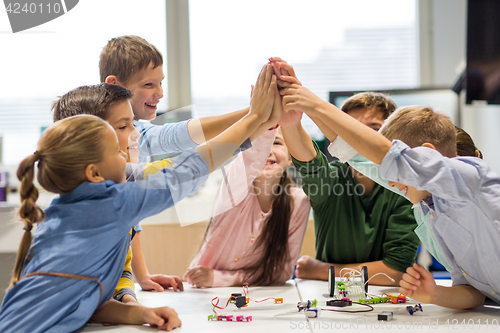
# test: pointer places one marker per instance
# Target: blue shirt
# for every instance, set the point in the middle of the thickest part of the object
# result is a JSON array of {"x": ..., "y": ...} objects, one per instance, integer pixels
[
  {"x": 86, "y": 234},
  {"x": 168, "y": 138},
  {"x": 464, "y": 211}
]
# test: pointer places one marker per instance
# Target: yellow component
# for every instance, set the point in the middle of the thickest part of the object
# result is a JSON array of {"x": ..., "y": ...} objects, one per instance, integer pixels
[{"x": 154, "y": 167}]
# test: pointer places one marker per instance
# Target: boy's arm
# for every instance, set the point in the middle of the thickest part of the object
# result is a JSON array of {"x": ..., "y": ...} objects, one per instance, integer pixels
[
  {"x": 366, "y": 141},
  {"x": 114, "y": 312},
  {"x": 203, "y": 129},
  {"x": 157, "y": 282},
  {"x": 419, "y": 284}
]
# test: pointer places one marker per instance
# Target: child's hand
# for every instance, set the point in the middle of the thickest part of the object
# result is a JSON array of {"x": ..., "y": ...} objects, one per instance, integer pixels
[
  {"x": 289, "y": 117},
  {"x": 161, "y": 282},
  {"x": 418, "y": 283},
  {"x": 299, "y": 98},
  {"x": 263, "y": 94},
  {"x": 199, "y": 277},
  {"x": 282, "y": 68},
  {"x": 164, "y": 318}
]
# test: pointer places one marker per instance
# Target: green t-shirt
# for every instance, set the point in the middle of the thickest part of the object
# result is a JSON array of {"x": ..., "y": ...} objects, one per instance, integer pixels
[{"x": 352, "y": 227}]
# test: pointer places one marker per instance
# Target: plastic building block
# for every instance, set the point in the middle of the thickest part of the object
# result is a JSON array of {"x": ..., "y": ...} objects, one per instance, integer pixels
[
  {"x": 412, "y": 309},
  {"x": 278, "y": 301},
  {"x": 386, "y": 315},
  {"x": 306, "y": 305}
]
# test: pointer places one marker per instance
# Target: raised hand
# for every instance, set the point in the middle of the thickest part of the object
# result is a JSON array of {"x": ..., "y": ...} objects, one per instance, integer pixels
[
  {"x": 282, "y": 68},
  {"x": 418, "y": 283},
  {"x": 199, "y": 276},
  {"x": 299, "y": 98},
  {"x": 263, "y": 95}
]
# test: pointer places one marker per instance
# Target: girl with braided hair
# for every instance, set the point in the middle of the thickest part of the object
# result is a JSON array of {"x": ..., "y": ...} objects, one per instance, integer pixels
[{"x": 68, "y": 272}]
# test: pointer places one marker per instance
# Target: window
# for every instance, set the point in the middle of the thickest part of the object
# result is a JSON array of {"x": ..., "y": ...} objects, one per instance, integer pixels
[
  {"x": 44, "y": 62},
  {"x": 332, "y": 44}
]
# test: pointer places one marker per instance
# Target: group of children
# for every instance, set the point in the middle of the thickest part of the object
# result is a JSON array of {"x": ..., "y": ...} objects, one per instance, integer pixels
[{"x": 80, "y": 263}]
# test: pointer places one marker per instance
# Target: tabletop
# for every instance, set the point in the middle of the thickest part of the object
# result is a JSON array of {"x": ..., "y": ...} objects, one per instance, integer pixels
[{"x": 194, "y": 306}]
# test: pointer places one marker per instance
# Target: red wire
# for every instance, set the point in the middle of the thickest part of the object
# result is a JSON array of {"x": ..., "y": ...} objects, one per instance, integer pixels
[
  {"x": 245, "y": 291},
  {"x": 217, "y": 305}
]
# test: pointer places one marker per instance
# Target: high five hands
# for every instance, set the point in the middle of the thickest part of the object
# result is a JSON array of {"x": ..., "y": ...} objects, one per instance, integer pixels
[
  {"x": 286, "y": 78},
  {"x": 296, "y": 99}
]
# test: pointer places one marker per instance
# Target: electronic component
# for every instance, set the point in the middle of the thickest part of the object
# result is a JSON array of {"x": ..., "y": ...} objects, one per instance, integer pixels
[
  {"x": 331, "y": 281},
  {"x": 306, "y": 305},
  {"x": 412, "y": 309},
  {"x": 339, "y": 302},
  {"x": 229, "y": 318},
  {"x": 364, "y": 276},
  {"x": 232, "y": 299},
  {"x": 313, "y": 312},
  {"x": 240, "y": 301},
  {"x": 386, "y": 316}
]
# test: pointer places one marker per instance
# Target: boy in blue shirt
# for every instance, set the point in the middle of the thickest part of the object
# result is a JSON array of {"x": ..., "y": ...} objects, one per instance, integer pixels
[
  {"x": 132, "y": 62},
  {"x": 459, "y": 193}
]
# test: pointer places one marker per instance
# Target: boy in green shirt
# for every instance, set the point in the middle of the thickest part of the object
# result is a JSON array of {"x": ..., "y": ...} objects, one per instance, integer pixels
[{"x": 356, "y": 222}]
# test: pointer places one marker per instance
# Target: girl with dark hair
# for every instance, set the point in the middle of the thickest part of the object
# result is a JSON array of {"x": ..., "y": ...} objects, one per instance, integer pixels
[{"x": 259, "y": 221}]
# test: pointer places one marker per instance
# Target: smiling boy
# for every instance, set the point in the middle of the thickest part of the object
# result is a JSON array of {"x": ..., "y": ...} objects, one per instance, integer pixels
[{"x": 132, "y": 62}]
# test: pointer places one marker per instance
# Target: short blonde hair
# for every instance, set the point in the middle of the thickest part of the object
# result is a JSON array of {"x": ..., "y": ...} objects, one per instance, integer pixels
[
  {"x": 127, "y": 55},
  {"x": 415, "y": 125}
]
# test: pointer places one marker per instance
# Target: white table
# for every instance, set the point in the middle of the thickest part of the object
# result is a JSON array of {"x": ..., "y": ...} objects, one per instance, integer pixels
[
  {"x": 193, "y": 307},
  {"x": 433, "y": 318}
]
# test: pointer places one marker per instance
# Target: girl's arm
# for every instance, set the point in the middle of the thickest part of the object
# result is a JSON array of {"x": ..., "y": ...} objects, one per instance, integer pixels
[
  {"x": 114, "y": 312},
  {"x": 218, "y": 149},
  {"x": 419, "y": 284}
]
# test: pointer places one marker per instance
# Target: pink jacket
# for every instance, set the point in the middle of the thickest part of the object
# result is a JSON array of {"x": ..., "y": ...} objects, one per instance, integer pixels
[{"x": 238, "y": 221}]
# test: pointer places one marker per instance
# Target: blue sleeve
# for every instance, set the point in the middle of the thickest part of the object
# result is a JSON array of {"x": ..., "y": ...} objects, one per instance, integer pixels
[
  {"x": 137, "y": 200},
  {"x": 168, "y": 138},
  {"x": 426, "y": 169}
]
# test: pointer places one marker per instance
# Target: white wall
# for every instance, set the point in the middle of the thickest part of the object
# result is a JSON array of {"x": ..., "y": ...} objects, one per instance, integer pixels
[{"x": 444, "y": 33}]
